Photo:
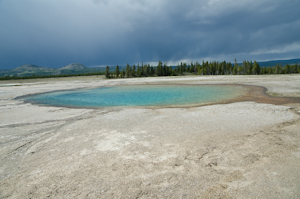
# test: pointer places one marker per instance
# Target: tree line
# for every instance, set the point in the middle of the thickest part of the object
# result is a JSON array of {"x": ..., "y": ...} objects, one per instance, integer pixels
[
  {"x": 206, "y": 68},
  {"x": 48, "y": 76}
]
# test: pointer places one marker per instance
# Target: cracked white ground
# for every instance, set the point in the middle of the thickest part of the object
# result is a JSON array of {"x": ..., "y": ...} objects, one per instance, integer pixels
[{"x": 237, "y": 150}]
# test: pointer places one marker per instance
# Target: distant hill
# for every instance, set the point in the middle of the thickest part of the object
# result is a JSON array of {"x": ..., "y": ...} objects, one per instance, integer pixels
[
  {"x": 74, "y": 66},
  {"x": 33, "y": 70},
  {"x": 27, "y": 70},
  {"x": 27, "y": 67},
  {"x": 282, "y": 62}
]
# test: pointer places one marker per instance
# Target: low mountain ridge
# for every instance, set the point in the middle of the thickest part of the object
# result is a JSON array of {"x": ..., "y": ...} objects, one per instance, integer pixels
[
  {"x": 74, "y": 66},
  {"x": 34, "y": 70},
  {"x": 29, "y": 67},
  {"x": 280, "y": 62}
]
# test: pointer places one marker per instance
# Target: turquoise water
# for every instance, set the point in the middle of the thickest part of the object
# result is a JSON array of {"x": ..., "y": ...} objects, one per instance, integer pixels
[{"x": 139, "y": 95}]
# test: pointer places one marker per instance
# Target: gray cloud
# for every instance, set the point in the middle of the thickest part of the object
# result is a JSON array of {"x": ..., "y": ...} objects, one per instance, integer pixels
[{"x": 100, "y": 32}]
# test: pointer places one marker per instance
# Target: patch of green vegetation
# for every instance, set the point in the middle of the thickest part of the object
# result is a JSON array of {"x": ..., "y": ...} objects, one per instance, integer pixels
[{"x": 274, "y": 94}]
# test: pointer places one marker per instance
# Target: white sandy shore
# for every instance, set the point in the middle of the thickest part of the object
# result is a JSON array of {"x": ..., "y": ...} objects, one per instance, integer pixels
[{"x": 237, "y": 150}]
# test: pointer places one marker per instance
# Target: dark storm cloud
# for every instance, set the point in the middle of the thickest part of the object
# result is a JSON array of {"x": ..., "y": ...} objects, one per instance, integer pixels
[{"x": 54, "y": 33}]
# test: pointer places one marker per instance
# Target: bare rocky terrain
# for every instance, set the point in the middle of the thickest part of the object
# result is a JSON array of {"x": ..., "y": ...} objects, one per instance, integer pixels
[{"x": 245, "y": 149}]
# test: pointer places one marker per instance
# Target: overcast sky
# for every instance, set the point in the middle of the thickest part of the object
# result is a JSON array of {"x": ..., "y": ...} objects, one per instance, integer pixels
[{"x": 54, "y": 33}]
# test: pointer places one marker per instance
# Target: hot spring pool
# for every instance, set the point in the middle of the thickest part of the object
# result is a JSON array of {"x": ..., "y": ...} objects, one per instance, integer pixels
[{"x": 139, "y": 95}]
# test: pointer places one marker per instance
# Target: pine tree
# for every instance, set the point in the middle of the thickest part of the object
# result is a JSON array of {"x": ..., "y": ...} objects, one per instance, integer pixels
[
  {"x": 170, "y": 70},
  {"x": 245, "y": 67},
  {"x": 107, "y": 72},
  {"x": 235, "y": 68},
  {"x": 127, "y": 70},
  {"x": 256, "y": 68},
  {"x": 117, "y": 71},
  {"x": 133, "y": 71},
  {"x": 287, "y": 69},
  {"x": 277, "y": 69},
  {"x": 145, "y": 70},
  {"x": 159, "y": 69},
  {"x": 138, "y": 72}
]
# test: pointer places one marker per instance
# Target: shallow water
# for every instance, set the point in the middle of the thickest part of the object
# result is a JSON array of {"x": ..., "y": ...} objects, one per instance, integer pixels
[{"x": 139, "y": 95}]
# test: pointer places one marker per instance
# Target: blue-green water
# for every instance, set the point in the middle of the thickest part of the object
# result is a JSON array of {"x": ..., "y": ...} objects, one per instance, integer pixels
[{"x": 139, "y": 95}]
